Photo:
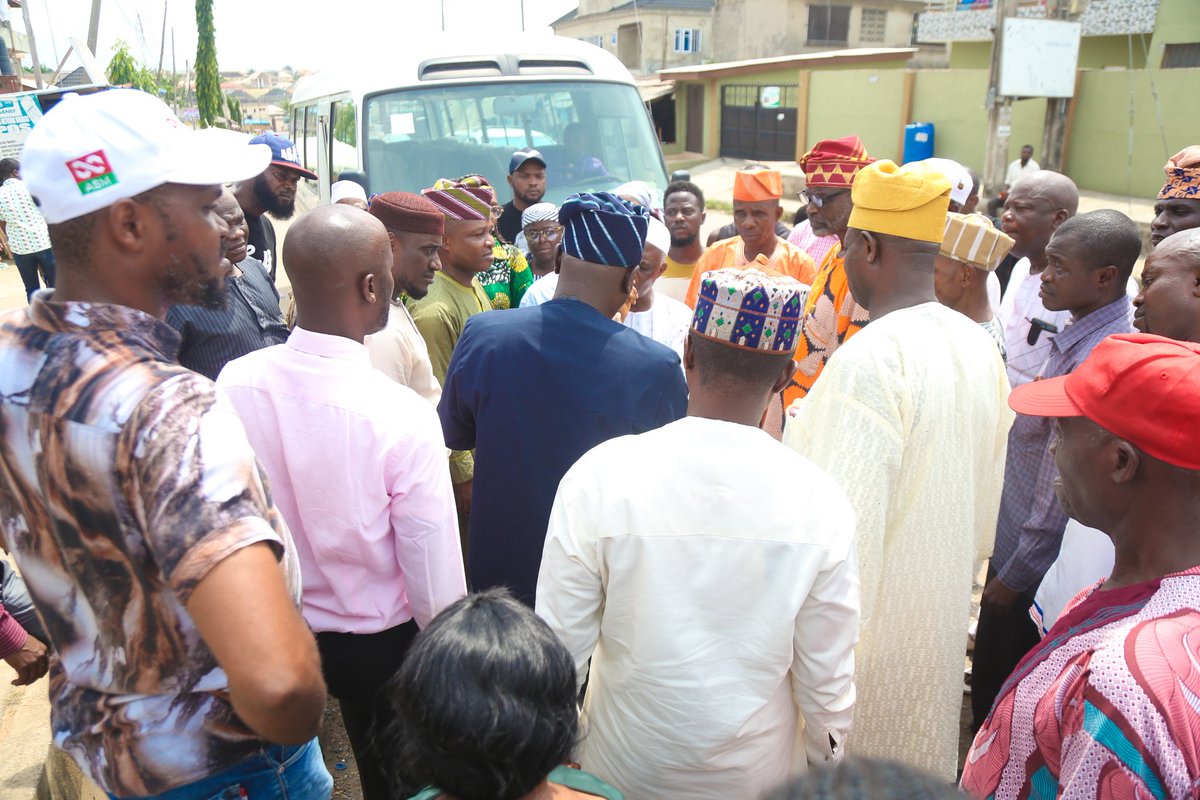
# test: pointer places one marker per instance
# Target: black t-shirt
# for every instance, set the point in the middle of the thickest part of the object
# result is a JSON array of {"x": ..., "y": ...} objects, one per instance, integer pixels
[
  {"x": 510, "y": 222},
  {"x": 262, "y": 242}
]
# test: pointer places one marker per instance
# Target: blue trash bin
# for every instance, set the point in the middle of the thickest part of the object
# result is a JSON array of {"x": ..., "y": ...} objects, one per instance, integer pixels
[{"x": 918, "y": 141}]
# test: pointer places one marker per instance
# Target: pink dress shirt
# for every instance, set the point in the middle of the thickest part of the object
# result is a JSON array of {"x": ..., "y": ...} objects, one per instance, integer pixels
[
  {"x": 357, "y": 465},
  {"x": 816, "y": 246}
]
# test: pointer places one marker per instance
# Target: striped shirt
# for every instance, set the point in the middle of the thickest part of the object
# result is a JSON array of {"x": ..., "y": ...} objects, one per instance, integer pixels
[
  {"x": 1031, "y": 524},
  {"x": 250, "y": 320}
]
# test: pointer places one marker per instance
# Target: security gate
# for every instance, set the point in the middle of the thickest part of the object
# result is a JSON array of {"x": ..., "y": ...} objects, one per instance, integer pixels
[{"x": 758, "y": 121}]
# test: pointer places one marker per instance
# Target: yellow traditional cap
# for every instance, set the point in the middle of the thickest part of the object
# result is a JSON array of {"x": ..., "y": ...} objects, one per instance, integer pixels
[
  {"x": 751, "y": 186},
  {"x": 973, "y": 239},
  {"x": 908, "y": 201}
]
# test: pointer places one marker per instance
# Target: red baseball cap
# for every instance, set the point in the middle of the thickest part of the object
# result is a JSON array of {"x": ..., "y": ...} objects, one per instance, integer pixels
[{"x": 1140, "y": 387}]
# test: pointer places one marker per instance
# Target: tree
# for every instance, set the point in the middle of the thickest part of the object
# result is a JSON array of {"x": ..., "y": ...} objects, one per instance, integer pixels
[
  {"x": 233, "y": 108},
  {"x": 124, "y": 70},
  {"x": 208, "y": 77}
]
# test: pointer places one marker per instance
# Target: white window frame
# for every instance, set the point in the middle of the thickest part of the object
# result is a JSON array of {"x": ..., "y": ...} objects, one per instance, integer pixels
[{"x": 687, "y": 40}]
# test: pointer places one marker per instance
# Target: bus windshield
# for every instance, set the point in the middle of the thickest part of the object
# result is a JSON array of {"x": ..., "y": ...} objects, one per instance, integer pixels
[{"x": 594, "y": 136}]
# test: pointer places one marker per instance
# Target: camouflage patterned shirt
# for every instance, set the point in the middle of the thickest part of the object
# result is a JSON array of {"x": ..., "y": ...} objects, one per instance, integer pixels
[{"x": 123, "y": 481}]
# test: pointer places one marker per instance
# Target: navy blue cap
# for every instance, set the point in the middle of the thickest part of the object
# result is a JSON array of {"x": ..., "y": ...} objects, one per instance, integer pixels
[
  {"x": 523, "y": 155},
  {"x": 283, "y": 153}
]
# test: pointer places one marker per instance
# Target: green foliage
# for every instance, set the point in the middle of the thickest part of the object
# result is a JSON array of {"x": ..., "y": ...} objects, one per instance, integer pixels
[
  {"x": 208, "y": 78},
  {"x": 125, "y": 70},
  {"x": 343, "y": 125},
  {"x": 233, "y": 110}
]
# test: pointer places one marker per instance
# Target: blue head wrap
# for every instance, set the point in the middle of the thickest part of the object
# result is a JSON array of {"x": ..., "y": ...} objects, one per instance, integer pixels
[{"x": 602, "y": 228}]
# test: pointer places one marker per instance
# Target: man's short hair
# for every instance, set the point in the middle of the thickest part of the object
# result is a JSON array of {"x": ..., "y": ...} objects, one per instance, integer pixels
[
  {"x": 676, "y": 187},
  {"x": 866, "y": 778},
  {"x": 723, "y": 364},
  {"x": 1109, "y": 237},
  {"x": 8, "y": 168},
  {"x": 484, "y": 704}
]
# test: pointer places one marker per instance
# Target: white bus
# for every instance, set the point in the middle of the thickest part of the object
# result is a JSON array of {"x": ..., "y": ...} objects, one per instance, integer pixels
[{"x": 447, "y": 109}]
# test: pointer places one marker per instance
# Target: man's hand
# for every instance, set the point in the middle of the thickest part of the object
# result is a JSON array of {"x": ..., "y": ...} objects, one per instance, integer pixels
[
  {"x": 30, "y": 662},
  {"x": 998, "y": 598}
]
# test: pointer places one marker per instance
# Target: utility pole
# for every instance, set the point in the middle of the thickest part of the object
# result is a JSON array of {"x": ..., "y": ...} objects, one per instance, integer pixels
[
  {"x": 174, "y": 76},
  {"x": 1055, "y": 128},
  {"x": 162, "y": 43},
  {"x": 37, "y": 63},
  {"x": 94, "y": 26},
  {"x": 999, "y": 108},
  {"x": 443, "y": 16},
  {"x": 522, "y": 16}
]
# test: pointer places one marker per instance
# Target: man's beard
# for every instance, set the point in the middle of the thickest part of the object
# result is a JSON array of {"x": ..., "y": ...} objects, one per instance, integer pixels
[
  {"x": 186, "y": 290},
  {"x": 532, "y": 198},
  {"x": 685, "y": 241},
  {"x": 270, "y": 202}
]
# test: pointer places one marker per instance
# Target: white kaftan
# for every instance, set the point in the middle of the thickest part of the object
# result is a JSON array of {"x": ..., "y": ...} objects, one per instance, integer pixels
[
  {"x": 399, "y": 352},
  {"x": 911, "y": 417},
  {"x": 715, "y": 616}
]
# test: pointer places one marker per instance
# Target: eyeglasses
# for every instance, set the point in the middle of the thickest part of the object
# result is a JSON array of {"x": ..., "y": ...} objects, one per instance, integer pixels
[
  {"x": 818, "y": 200},
  {"x": 549, "y": 234}
]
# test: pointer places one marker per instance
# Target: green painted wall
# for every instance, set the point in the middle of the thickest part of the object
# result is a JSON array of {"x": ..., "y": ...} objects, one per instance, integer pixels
[
  {"x": 1095, "y": 52},
  {"x": 874, "y": 113},
  {"x": 1178, "y": 21},
  {"x": 953, "y": 101},
  {"x": 1099, "y": 158}
]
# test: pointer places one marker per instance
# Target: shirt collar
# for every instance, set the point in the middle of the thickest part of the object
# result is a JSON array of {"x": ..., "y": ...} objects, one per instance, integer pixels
[
  {"x": 83, "y": 319},
  {"x": 325, "y": 345},
  {"x": 1103, "y": 317}
]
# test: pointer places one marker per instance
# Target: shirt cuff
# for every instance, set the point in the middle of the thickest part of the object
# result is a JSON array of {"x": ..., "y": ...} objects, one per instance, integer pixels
[
  {"x": 462, "y": 466},
  {"x": 12, "y": 635}
]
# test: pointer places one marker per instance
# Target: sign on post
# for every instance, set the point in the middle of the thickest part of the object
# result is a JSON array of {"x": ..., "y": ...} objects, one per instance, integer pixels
[
  {"x": 18, "y": 114},
  {"x": 1039, "y": 57}
]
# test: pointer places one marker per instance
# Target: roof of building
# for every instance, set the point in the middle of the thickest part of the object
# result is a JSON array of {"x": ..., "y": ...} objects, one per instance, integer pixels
[
  {"x": 698, "y": 6},
  {"x": 674, "y": 5},
  {"x": 858, "y": 55}
]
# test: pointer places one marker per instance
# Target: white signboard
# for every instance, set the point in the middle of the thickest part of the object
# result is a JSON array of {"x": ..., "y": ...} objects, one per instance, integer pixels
[{"x": 1039, "y": 57}]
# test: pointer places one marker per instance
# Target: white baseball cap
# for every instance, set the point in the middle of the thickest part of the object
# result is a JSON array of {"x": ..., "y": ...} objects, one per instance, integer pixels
[
  {"x": 960, "y": 180},
  {"x": 90, "y": 151}
]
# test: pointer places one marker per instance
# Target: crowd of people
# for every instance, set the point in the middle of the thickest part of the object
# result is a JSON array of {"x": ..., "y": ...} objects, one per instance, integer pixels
[{"x": 557, "y": 501}]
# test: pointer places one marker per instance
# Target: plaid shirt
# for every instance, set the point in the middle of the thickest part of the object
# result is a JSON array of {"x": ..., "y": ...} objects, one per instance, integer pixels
[
  {"x": 1031, "y": 524},
  {"x": 123, "y": 481}
]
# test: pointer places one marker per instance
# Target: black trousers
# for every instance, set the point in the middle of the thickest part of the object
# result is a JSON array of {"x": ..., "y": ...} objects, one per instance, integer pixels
[
  {"x": 357, "y": 666},
  {"x": 1001, "y": 641}
]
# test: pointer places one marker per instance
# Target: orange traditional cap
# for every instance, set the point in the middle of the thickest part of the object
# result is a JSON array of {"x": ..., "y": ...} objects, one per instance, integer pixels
[{"x": 752, "y": 186}]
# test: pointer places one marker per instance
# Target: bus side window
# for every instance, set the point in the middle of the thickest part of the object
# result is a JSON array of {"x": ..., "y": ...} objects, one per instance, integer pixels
[{"x": 343, "y": 152}]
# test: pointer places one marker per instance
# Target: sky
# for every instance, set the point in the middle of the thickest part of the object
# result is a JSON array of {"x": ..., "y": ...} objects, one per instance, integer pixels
[{"x": 256, "y": 34}]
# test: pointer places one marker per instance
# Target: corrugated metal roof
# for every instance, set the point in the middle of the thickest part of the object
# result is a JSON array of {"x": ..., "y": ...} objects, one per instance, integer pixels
[{"x": 823, "y": 57}]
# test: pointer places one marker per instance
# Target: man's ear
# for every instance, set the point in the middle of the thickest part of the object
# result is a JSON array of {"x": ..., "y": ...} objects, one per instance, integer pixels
[
  {"x": 778, "y": 213},
  {"x": 689, "y": 355},
  {"x": 629, "y": 280},
  {"x": 870, "y": 246},
  {"x": 369, "y": 287},
  {"x": 785, "y": 376},
  {"x": 966, "y": 274},
  {"x": 558, "y": 254},
  {"x": 1106, "y": 276},
  {"x": 1127, "y": 462},
  {"x": 1061, "y": 215},
  {"x": 128, "y": 223}
]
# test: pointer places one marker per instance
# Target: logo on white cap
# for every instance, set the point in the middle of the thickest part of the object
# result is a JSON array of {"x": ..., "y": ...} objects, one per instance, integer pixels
[{"x": 92, "y": 172}]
